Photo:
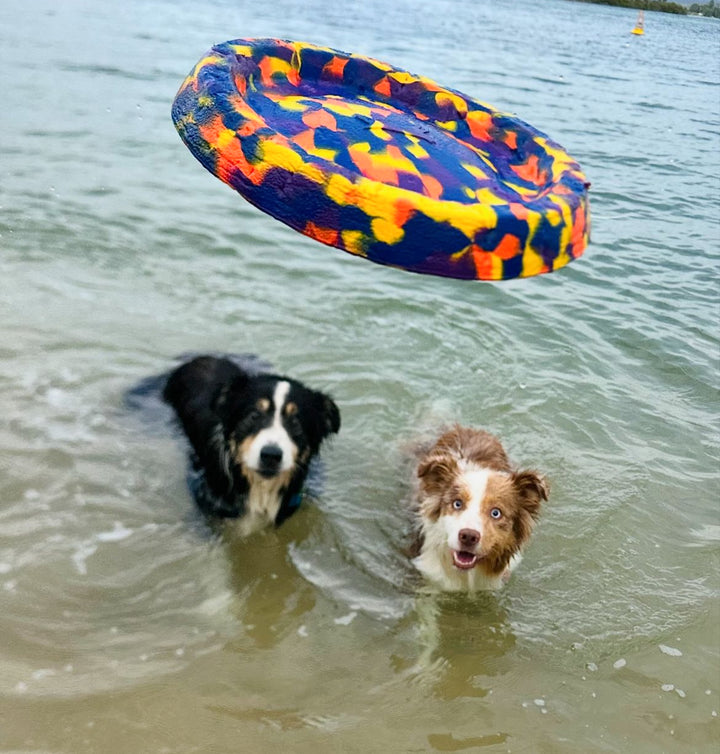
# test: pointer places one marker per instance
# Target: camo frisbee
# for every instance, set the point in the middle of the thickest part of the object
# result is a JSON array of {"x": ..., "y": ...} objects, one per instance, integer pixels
[{"x": 382, "y": 163}]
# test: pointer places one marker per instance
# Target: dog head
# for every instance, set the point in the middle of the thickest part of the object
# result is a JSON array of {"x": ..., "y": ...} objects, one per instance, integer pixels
[
  {"x": 274, "y": 425},
  {"x": 476, "y": 515}
]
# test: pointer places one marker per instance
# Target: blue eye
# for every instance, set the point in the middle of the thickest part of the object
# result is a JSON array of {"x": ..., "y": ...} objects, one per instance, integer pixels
[
  {"x": 457, "y": 504},
  {"x": 496, "y": 513}
]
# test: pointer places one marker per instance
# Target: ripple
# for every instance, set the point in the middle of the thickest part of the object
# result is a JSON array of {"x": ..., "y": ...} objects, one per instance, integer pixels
[{"x": 110, "y": 71}]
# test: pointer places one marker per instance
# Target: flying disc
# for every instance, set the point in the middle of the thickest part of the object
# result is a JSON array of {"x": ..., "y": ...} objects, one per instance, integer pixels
[{"x": 382, "y": 163}]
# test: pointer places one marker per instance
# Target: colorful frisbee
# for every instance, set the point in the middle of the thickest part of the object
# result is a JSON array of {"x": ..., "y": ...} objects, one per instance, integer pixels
[{"x": 382, "y": 163}]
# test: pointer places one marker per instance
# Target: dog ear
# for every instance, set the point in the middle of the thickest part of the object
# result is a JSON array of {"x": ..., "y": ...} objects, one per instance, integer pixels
[
  {"x": 332, "y": 415},
  {"x": 329, "y": 413},
  {"x": 436, "y": 472},
  {"x": 532, "y": 488}
]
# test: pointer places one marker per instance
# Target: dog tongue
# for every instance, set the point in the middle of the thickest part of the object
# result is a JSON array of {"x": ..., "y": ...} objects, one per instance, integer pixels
[{"x": 463, "y": 559}]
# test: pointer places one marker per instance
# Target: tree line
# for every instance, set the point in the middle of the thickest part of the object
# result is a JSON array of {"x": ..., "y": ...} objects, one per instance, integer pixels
[
  {"x": 658, "y": 5},
  {"x": 698, "y": 9},
  {"x": 708, "y": 9}
]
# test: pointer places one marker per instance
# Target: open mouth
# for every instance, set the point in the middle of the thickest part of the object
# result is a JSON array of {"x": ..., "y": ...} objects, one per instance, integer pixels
[{"x": 464, "y": 560}]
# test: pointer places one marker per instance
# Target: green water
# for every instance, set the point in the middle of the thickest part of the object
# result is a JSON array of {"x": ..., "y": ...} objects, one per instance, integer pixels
[{"x": 127, "y": 628}]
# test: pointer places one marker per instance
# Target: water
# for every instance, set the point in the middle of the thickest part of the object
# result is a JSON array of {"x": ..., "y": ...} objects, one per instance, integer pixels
[{"x": 128, "y": 628}]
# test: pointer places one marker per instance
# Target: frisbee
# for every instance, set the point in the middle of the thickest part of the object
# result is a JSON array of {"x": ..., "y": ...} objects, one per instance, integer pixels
[{"x": 382, "y": 163}]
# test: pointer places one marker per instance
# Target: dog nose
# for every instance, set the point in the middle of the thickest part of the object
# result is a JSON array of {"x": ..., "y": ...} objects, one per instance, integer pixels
[
  {"x": 469, "y": 537},
  {"x": 270, "y": 457}
]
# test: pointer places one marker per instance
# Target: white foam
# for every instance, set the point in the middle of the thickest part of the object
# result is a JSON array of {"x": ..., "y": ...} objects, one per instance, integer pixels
[
  {"x": 81, "y": 555},
  {"x": 118, "y": 533},
  {"x": 345, "y": 620}
]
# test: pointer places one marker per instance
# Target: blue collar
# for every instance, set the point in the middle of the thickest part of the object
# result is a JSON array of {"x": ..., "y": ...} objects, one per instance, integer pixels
[{"x": 295, "y": 500}]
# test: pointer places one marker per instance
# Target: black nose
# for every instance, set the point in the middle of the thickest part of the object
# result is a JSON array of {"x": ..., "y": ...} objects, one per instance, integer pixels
[
  {"x": 469, "y": 537},
  {"x": 270, "y": 458}
]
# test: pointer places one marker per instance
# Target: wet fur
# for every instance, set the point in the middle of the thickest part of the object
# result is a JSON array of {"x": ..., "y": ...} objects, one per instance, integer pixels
[
  {"x": 252, "y": 436},
  {"x": 471, "y": 466}
]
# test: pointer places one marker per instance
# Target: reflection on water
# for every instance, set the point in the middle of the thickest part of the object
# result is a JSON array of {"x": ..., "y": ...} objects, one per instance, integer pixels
[
  {"x": 464, "y": 644},
  {"x": 128, "y": 624},
  {"x": 274, "y": 598}
]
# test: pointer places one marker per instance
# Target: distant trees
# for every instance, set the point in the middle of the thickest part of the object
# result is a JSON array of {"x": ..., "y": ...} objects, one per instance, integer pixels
[
  {"x": 708, "y": 9},
  {"x": 659, "y": 5}
]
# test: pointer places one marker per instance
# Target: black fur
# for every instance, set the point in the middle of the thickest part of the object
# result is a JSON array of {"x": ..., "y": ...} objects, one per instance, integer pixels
[{"x": 221, "y": 405}]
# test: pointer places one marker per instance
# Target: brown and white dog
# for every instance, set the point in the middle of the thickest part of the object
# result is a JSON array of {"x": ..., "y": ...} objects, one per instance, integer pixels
[{"x": 474, "y": 512}]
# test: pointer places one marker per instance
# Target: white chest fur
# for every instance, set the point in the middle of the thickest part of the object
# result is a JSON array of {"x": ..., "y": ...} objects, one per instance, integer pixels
[{"x": 262, "y": 504}]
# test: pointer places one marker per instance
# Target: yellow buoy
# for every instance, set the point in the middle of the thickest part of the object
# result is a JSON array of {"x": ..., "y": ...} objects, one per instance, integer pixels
[{"x": 639, "y": 24}]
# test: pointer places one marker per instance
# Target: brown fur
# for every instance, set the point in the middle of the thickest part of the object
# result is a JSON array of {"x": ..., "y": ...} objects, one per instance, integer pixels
[
  {"x": 516, "y": 494},
  {"x": 475, "y": 445}
]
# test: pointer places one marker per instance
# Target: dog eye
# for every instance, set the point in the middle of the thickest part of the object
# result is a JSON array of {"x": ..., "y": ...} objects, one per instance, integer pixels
[
  {"x": 255, "y": 414},
  {"x": 496, "y": 513},
  {"x": 262, "y": 406},
  {"x": 457, "y": 504}
]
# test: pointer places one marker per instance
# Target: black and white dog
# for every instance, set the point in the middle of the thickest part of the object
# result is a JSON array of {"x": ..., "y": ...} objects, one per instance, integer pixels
[{"x": 253, "y": 437}]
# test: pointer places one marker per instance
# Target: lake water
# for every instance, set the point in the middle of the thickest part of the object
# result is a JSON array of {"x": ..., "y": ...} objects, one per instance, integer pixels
[{"x": 127, "y": 627}]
